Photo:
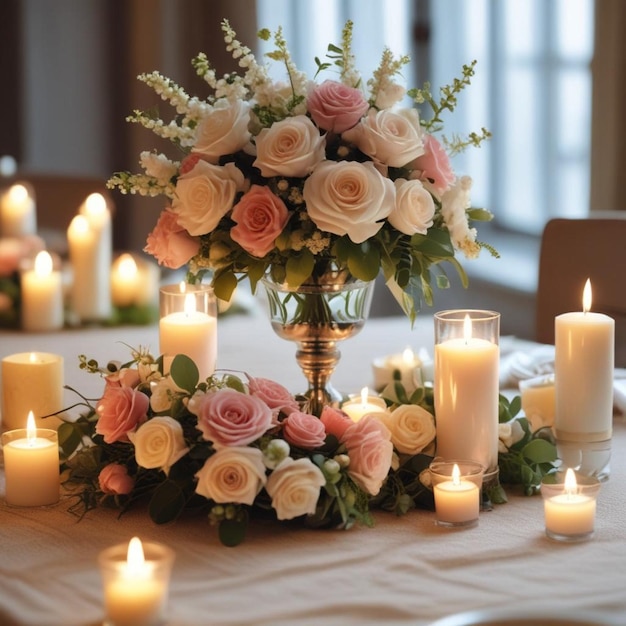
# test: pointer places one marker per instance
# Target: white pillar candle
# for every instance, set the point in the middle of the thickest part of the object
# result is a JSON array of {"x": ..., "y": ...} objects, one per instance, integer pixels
[
  {"x": 31, "y": 381},
  {"x": 457, "y": 501},
  {"x": 125, "y": 281},
  {"x": 42, "y": 296},
  {"x": 583, "y": 370},
  {"x": 365, "y": 404},
  {"x": 31, "y": 465},
  {"x": 190, "y": 332},
  {"x": 18, "y": 216},
  {"x": 466, "y": 398}
]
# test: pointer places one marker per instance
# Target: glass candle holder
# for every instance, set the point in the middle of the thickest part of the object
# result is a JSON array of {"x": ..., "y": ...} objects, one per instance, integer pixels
[
  {"x": 538, "y": 400},
  {"x": 569, "y": 505},
  {"x": 31, "y": 466},
  {"x": 135, "y": 579},
  {"x": 188, "y": 325},
  {"x": 467, "y": 386},
  {"x": 456, "y": 488}
]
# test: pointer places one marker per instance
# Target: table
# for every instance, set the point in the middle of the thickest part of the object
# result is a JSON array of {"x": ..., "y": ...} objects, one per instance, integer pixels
[{"x": 404, "y": 571}]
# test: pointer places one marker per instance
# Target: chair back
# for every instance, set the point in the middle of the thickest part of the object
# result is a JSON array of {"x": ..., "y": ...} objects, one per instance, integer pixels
[{"x": 573, "y": 250}]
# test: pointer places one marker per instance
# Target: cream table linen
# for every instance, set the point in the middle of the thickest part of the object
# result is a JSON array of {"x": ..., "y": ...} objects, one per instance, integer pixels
[{"x": 404, "y": 571}]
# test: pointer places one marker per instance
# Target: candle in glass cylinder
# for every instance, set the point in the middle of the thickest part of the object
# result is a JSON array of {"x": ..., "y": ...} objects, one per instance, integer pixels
[
  {"x": 18, "y": 216},
  {"x": 457, "y": 495},
  {"x": 358, "y": 408},
  {"x": 583, "y": 370},
  {"x": 42, "y": 296},
  {"x": 31, "y": 465}
]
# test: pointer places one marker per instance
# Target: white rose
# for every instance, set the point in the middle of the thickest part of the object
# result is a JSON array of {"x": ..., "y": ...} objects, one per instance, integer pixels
[
  {"x": 509, "y": 434},
  {"x": 164, "y": 391},
  {"x": 159, "y": 443},
  {"x": 412, "y": 428},
  {"x": 454, "y": 204},
  {"x": 392, "y": 138},
  {"x": 232, "y": 475},
  {"x": 205, "y": 194},
  {"x": 415, "y": 208},
  {"x": 348, "y": 197},
  {"x": 294, "y": 487},
  {"x": 224, "y": 130},
  {"x": 291, "y": 147},
  {"x": 158, "y": 166}
]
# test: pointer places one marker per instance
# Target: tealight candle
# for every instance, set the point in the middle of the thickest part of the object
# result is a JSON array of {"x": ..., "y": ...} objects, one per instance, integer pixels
[
  {"x": 32, "y": 381},
  {"x": 407, "y": 364},
  {"x": 457, "y": 496},
  {"x": 42, "y": 296},
  {"x": 570, "y": 508},
  {"x": 365, "y": 404},
  {"x": 31, "y": 465},
  {"x": 18, "y": 216},
  {"x": 136, "y": 581}
]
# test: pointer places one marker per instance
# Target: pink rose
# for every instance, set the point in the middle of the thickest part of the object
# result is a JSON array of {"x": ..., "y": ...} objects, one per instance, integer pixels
[
  {"x": 189, "y": 162},
  {"x": 336, "y": 107},
  {"x": 120, "y": 411},
  {"x": 260, "y": 216},
  {"x": 435, "y": 164},
  {"x": 229, "y": 418},
  {"x": 115, "y": 481},
  {"x": 335, "y": 422},
  {"x": 304, "y": 430},
  {"x": 169, "y": 243},
  {"x": 124, "y": 377},
  {"x": 277, "y": 397},
  {"x": 369, "y": 447}
]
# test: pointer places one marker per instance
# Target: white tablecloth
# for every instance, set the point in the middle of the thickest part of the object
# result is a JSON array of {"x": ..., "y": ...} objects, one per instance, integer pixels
[{"x": 404, "y": 571}]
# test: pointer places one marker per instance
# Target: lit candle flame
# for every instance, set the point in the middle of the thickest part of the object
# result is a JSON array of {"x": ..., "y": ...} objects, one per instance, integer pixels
[
  {"x": 33, "y": 357},
  {"x": 31, "y": 428},
  {"x": 467, "y": 328},
  {"x": 364, "y": 394},
  {"x": 571, "y": 486},
  {"x": 79, "y": 224},
  {"x": 190, "y": 304},
  {"x": 408, "y": 356},
  {"x": 135, "y": 558},
  {"x": 18, "y": 193},
  {"x": 456, "y": 475},
  {"x": 43, "y": 264},
  {"x": 182, "y": 286},
  {"x": 587, "y": 297},
  {"x": 95, "y": 204},
  {"x": 127, "y": 266}
]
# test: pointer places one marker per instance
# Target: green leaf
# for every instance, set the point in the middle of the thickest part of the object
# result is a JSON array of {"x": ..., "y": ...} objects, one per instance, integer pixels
[
  {"x": 184, "y": 372},
  {"x": 224, "y": 284},
  {"x": 299, "y": 268},
  {"x": 540, "y": 451},
  {"x": 364, "y": 261},
  {"x": 70, "y": 437},
  {"x": 480, "y": 215},
  {"x": 167, "y": 502},
  {"x": 232, "y": 532}
]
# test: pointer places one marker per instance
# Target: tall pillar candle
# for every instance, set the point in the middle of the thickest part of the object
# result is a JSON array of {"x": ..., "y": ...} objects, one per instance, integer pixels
[
  {"x": 583, "y": 370},
  {"x": 31, "y": 381},
  {"x": 18, "y": 215},
  {"x": 42, "y": 296},
  {"x": 466, "y": 385}
]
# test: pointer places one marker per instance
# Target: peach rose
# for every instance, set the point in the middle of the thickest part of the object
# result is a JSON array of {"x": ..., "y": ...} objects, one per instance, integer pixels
[
  {"x": 335, "y": 421},
  {"x": 348, "y": 198},
  {"x": 205, "y": 194},
  {"x": 304, "y": 431},
  {"x": 291, "y": 147},
  {"x": 294, "y": 487},
  {"x": 115, "y": 481},
  {"x": 411, "y": 426},
  {"x": 169, "y": 243},
  {"x": 229, "y": 418},
  {"x": 389, "y": 137},
  {"x": 124, "y": 377},
  {"x": 120, "y": 411},
  {"x": 336, "y": 107},
  {"x": 260, "y": 217},
  {"x": 371, "y": 451},
  {"x": 232, "y": 475},
  {"x": 224, "y": 130},
  {"x": 277, "y": 397},
  {"x": 415, "y": 208},
  {"x": 435, "y": 165}
]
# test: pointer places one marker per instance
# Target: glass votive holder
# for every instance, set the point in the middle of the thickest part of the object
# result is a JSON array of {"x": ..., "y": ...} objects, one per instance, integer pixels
[
  {"x": 538, "y": 400},
  {"x": 569, "y": 505},
  {"x": 456, "y": 488},
  {"x": 31, "y": 466},
  {"x": 135, "y": 579},
  {"x": 188, "y": 325}
]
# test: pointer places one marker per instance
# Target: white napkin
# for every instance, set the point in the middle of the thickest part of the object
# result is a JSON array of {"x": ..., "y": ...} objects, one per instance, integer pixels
[{"x": 524, "y": 364}]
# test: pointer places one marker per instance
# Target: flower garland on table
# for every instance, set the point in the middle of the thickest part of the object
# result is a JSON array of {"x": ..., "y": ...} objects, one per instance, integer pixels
[
  {"x": 239, "y": 446},
  {"x": 293, "y": 177}
]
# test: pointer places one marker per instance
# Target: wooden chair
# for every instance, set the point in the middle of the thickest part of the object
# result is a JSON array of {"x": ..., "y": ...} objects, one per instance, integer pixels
[{"x": 573, "y": 250}]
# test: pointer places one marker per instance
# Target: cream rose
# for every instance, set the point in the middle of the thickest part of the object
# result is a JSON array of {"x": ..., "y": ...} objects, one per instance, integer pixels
[
  {"x": 294, "y": 487},
  {"x": 348, "y": 198},
  {"x": 205, "y": 194},
  {"x": 414, "y": 209},
  {"x": 159, "y": 442},
  {"x": 232, "y": 475},
  {"x": 224, "y": 130},
  {"x": 389, "y": 137},
  {"x": 291, "y": 147},
  {"x": 412, "y": 428}
]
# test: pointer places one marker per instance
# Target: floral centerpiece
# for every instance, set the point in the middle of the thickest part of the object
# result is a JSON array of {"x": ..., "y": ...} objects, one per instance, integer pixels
[{"x": 292, "y": 178}]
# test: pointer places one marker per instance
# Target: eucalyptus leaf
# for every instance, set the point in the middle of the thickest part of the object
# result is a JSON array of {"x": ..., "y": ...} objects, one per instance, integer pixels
[
  {"x": 232, "y": 532},
  {"x": 70, "y": 437},
  {"x": 184, "y": 372},
  {"x": 224, "y": 285},
  {"x": 167, "y": 502},
  {"x": 540, "y": 451}
]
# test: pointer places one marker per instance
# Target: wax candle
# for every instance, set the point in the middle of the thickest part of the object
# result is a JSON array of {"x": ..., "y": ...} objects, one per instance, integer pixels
[
  {"x": 42, "y": 296},
  {"x": 365, "y": 404},
  {"x": 583, "y": 370},
  {"x": 457, "y": 501},
  {"x": 125, "y": 281},
  {"x": 569, "y": 511},
  {"x": 18, "y": 216},
  {"x": 191, "y": 332},
  {"x": 538, "y": 401},
  {"x": 31, "y": 465},
  {"x": 31, "y": 381},
  {"x": 407, "y": 364},
  {"x": 466, "y": 389},
  {"x": 136, "y": 588}
]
